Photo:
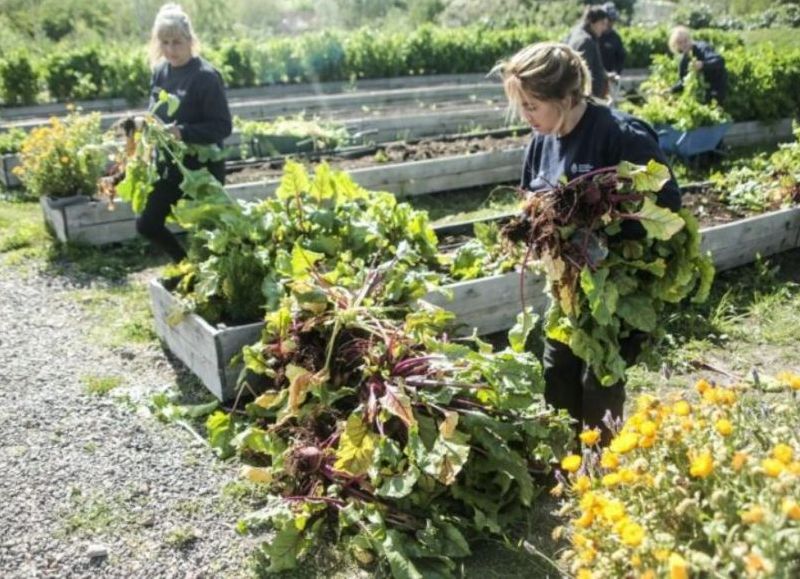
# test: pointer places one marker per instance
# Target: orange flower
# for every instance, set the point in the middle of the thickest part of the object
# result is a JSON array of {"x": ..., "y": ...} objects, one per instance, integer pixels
[
  {"x": 582, "y": 484},
  {"x": 791, "y": 509},
  {"x": 753, "y": 515},
  {"x": 609, "y": 460},
  {"x": 590, "y": 437},
  {"x": 739, "y": 460},
  {"x": 678, "y": 568},
  {"x": 702, "y": 386}
]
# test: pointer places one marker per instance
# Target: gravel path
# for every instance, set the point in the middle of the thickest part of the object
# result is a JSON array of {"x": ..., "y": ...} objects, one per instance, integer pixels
[{"x": 92, "y": 486}]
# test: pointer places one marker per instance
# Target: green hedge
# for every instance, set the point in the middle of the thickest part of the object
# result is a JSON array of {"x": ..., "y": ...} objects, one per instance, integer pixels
[{"x": 96, "y": 71}]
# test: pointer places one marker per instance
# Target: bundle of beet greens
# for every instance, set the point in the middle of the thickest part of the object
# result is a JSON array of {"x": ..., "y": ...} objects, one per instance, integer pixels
[
  {"x": 604, "y": 284},
  {"x": 373, "y": 425}
]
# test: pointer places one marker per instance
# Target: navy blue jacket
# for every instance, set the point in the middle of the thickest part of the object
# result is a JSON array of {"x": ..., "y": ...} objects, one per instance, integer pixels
[
  {"x": 714, "y": 71},
  {"x": 203, "y": 115},
  {"x": 612, "y": 51},
  {"x": 603, "y": 137},
  {"x": 582, "y": 41}
]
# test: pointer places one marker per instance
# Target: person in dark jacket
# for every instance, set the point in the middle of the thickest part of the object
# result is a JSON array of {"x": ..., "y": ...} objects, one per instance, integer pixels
[
  {"x": 612, "y": 51},
  {"x": 583, "y": 39},
  {"x": 548, "y": 85},
  {"x": 703, "y": 58},
  {"x": 202, "y": 117}
]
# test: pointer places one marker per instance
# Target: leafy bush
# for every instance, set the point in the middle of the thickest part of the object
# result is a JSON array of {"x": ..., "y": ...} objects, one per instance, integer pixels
[
  {"x": 64, "y": 158},
  {"x": 18, "y": 81},
  {"x": 689, "y": 487},
  {"x": 127, "y": 76},
  {"x": 75, "y": 74},
  {"x": 11, "y": 141}
]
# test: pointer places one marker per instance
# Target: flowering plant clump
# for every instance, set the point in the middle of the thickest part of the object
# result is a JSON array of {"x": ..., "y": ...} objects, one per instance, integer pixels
[
  {"x": 702, "y": 485},
  {"x": 63, "y": 158}
]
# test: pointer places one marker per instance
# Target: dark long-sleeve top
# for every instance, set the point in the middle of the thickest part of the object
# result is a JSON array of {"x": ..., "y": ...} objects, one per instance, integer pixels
[
  {"x": 603, "y": 137},
  {"x": 581, "y": 40},
  {"x": 713, "y": 70},
  {"x": 612, "y": 51},
  {"x": 203, "y": 116}
]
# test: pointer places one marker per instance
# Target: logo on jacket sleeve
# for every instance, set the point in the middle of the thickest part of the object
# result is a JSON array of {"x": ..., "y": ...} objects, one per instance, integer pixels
[{"x": 579, "y": 168}]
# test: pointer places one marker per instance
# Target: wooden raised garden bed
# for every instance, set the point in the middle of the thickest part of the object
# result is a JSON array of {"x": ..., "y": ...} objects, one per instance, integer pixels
[
  {"x": 91, "y": 222},
  {"x": 488, "y": 304}
]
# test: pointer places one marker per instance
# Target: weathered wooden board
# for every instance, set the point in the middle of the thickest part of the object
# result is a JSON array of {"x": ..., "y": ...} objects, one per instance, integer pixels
[
  {"x": 487, "y": 305},
  {"x": 492, "y": 304},
  {"x": 7, "y": 164},
  {"x": 418, "y": 177},
  {"x": 91, "y": 222},
  {"x": 206, "y": 351}
]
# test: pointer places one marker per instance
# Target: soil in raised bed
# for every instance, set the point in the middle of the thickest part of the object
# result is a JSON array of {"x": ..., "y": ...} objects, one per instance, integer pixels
[{"x": 388, "y": 153}]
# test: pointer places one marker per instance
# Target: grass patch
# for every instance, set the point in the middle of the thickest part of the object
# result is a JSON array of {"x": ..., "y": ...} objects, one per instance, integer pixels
[
  {"x": 89, "y": 515},
  {"x": 121, "y": 314},
  {"x": 181, "y": 537},
  {"x": 749, "y": 322},
  {"x": 101, "y": 385},
  {"x": 22, "y": 232},
  {"x": 466, "y": 204}
]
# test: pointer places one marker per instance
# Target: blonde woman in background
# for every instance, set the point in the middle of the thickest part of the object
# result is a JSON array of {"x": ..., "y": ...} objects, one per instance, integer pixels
[{"x": 202, "y": 118}]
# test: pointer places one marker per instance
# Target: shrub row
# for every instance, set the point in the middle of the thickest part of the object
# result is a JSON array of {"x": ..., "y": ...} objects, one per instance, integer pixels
[{"x": 100, "y": 72}]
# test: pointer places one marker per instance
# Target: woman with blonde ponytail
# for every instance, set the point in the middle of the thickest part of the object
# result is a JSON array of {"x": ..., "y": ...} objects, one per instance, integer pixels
[
  {"x": 549, "y": 87},
  {"x": 202, "y": 117}
]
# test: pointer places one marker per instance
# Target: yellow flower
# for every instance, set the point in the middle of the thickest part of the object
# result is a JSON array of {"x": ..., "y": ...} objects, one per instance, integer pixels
[
  {"x": 791, "y": 509},
  {"x": 609, "y": 460},
  {"x": 636, "y": 561},
  {"x": 772, "y": 467},
  {"x": 661, "y": 554},
  {"x": 585, "y": 520},
  {"x": 648, "y": 428},
  {"x": 612, "y": 479},
  {"x": 590, "y": 437},
  {"x": 739, "y": 460},
  {"x": 702, "y": 465},
  {"x": 613, "y": 511},
  {"x": 794, "y": 468},
  {"x": 571, "y": 463},
  {"x": 582, "y": 484},
  {"x": 789, "y": 379},
  {"x": 584, "y": 574},
  {"x": 783, "y": 452},
  {"x": 625, "y": 442},
  {"x": 724, "y": 426},
  {"x": 678, "y": 568},
  {"x": 627, "y": 476},
  {"x": 588, "y": 500},
  {"x": 687, "y": 424},
  {"x": 648, "y": 574},
  {"x": 647, "y": 441},
  {"x": 702, "y": 386},
  {"x": 64, "y": 160},
  {"x": 588, "y": 554},
  {"x": 682, "y": 408},
  {"x": 632, "y": 534},
  {"x": 753, "y": 515}
]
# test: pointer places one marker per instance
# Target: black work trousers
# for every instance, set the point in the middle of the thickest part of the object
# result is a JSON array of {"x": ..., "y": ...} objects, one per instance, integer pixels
[
  {"x": 570, "y": 384},
  {"x": 165, "y": 194}
]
